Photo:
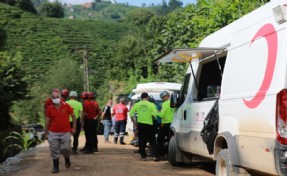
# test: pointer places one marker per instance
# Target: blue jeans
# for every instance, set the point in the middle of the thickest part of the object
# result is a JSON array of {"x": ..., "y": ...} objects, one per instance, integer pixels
[{"x": 107, "y": 128}]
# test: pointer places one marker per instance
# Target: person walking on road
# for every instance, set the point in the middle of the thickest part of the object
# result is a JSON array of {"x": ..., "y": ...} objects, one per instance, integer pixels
[
  {"x": 146, "y": 111},
  {"x": 91, "y": 113},
  {"x": 58, "y": 130},
  {"x": 121, "y": 113},
  {"x": 107, "y": 120},
  {"x": 166, "y": 115},
  {"x": 78, "y": 111}
]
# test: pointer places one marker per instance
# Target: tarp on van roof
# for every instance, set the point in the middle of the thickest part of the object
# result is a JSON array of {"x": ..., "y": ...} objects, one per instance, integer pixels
[{"x": 187, "y": 55}]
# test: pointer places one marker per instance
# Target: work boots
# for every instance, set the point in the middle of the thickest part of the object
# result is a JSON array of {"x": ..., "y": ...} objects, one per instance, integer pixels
[
  {"x": 122, "y": 141},
  {"x": 115, "y": 140},
  {"x": 67, "y": 163},
  {"x": 55, "y": 166}
]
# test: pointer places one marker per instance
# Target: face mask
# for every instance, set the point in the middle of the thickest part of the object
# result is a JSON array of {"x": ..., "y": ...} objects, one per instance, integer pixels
[{"x": 56, "y": 100}]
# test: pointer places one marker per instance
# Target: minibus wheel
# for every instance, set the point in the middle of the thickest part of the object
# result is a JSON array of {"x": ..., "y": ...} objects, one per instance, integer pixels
[
  {"x": 173, "y": 151},
  {"x": 223, "y": 166}
]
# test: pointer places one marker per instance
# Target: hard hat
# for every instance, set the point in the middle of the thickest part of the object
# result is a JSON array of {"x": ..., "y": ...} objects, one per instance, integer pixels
[
  {"x": 73, "y": 94},
  {"x": 84, "y": 95},
  {"x": 56, "y": 90},
  {"x": 91, "y": 95},
  {"x": 163, "y": 94},
  {"x": 65, "y": 93}
]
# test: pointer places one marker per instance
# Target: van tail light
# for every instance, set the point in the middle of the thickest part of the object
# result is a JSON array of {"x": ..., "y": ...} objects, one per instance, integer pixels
[{"x": 281, "y": 117}]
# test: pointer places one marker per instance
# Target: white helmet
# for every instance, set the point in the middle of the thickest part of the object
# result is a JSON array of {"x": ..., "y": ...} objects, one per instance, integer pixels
[
  {"x": 73, "y": 94},
  {"x": 163, "y": 94}
]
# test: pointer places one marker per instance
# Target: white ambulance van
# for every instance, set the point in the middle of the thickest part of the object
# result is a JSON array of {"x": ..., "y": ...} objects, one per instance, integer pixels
[
  {"x": 239, "y": 74},
  {"x": 153, "y": 89}
]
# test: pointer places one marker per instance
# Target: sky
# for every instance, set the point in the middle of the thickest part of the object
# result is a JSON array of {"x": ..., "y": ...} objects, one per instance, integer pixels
[{"x": 131, "y": 2}]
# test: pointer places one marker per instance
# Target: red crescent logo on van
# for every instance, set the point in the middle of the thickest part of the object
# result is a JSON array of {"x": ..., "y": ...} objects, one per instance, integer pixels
[{"x": 269, "y": 33}]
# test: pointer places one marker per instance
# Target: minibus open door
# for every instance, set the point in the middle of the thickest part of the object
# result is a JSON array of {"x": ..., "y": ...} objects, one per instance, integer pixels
[{"x": 183, "y": 102}]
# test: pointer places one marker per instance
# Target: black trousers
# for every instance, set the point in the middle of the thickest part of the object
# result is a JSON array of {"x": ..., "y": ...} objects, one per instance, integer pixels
[
  {"x": 146, "y": 133},
  {"x": 120, "y": 129},
  {"x": 76, "y": 135},
  {"x": 90, "y": 128},
  {"x": 163, "y": 133}
]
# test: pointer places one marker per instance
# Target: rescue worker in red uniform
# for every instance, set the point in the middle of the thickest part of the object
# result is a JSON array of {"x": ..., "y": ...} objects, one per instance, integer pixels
[
  {"x": 91, "y": 114},
  {"x": 121, "y": 112},
  {"x": 58, "y": 130}
]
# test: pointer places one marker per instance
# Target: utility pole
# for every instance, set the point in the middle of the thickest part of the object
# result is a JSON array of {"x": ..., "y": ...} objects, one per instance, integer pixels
[
  {"x": 86, "y": 71},
  {"x": 85, "y": 55}
]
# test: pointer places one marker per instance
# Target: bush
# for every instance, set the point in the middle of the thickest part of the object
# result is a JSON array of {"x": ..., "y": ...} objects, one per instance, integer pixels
[
  {"x": 4, "y": 134},
  {"x": 54, "y": 9}
]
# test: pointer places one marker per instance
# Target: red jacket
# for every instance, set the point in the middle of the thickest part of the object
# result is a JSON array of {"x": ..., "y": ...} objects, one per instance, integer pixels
[{"x": 91, "y": 109}]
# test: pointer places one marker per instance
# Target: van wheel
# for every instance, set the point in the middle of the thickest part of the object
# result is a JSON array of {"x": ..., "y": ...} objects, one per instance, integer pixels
[
  {"x": 173, "y": 151},
  {"x": 223, "y": 167}
]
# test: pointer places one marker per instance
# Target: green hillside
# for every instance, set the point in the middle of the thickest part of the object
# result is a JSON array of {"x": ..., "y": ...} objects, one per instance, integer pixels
[
  {"x": 104, "y": 11},
  {"x": 43, "y": 40}
]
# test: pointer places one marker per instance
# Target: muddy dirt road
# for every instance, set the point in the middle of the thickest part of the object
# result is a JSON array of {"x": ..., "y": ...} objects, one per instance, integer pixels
[{"x": 112, "y": 160}]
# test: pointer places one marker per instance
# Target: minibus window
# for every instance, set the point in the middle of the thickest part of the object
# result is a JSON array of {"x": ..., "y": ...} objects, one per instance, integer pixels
[
  {"x": 210, "y": 79},
  {"x": 184, "y": 89}
]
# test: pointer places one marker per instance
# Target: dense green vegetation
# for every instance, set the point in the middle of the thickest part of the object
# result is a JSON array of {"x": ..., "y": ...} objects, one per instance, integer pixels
[
  {"x": 121, "y": 53},
  {"x": 42, "y": 41},
  {"x": 26, "y": 5},
  {"x": 53, "y": 9},
  {"x": 12, "y": 85}
]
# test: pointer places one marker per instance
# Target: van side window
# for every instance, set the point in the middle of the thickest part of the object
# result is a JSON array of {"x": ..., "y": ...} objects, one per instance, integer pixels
[
  {"x": 184, "y": 89},
  {"x": 210, "y": 79}
]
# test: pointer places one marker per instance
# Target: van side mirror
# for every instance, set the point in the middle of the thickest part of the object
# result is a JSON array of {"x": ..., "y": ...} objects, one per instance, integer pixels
[{"x": 174, "y": 100}]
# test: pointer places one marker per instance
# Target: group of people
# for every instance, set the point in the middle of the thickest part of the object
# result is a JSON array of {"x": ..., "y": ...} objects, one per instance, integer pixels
[
  {"x": 65, "y": 115},
  {"x": 145, "y": 123}
]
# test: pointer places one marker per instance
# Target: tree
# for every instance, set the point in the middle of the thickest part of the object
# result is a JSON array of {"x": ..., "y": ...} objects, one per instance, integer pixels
[
  {"x": 54, "y": 9},
  {"x": 164, "y": 7},
  {"x": 174, "y": 4},
  {"x": 12, "y": 85},
  {"x": 140, "y": 17},
  {"x": 62, "y": 74},
  {"x": 26, "y": 5}
]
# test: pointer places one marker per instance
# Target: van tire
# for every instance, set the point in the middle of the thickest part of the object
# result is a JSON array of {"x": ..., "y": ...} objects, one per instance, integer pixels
[
  {"x": 228, "y": 169},
  {"x": 223, "y": 166},
  {"x": 173, "y": 151}
]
